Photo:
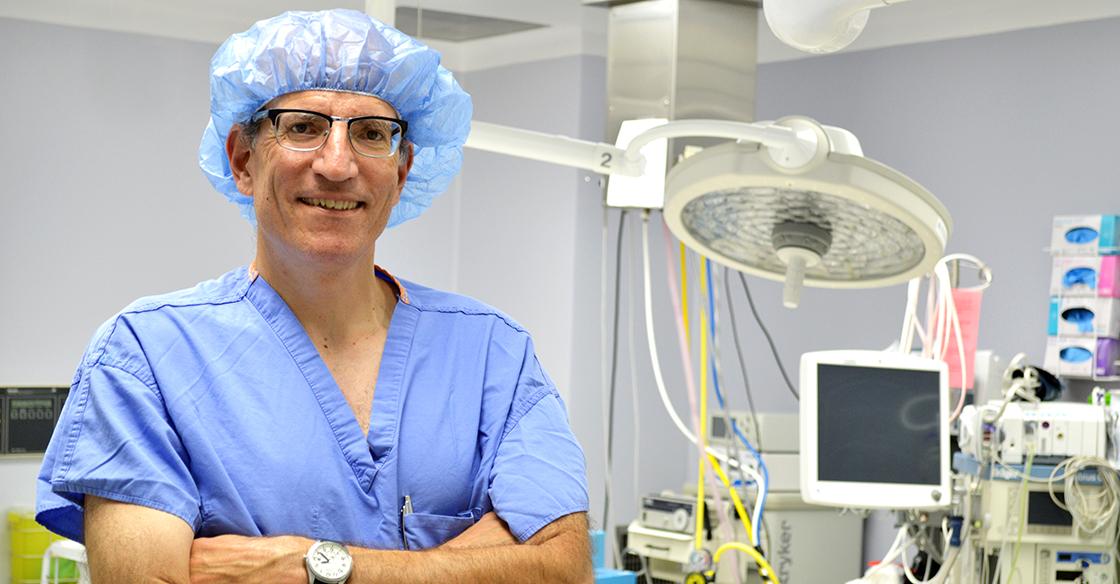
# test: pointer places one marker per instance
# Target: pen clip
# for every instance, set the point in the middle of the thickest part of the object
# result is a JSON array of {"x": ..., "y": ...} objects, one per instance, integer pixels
[{"x": 406, "y": 509}]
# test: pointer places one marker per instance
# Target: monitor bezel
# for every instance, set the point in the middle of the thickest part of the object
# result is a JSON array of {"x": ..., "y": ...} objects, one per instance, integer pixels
[{"x": 863, "y": 495}]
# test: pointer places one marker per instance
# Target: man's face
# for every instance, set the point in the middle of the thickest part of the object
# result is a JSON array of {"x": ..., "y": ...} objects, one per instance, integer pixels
[{"x": 330, "y": 204}]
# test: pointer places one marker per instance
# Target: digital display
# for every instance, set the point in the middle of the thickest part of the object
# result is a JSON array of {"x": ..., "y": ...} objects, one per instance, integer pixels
[
  {"x": 30, "y": 409},
  {"x": 1041, "y": 510},
  {"x": 878, "y": 425}
]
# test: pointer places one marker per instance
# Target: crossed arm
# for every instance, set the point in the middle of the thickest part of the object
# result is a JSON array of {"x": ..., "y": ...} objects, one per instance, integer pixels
[{"x": 130, "y": 544}]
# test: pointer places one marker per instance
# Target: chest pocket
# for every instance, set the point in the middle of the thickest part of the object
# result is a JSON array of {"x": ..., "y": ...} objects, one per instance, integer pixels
[{"x": 424, "y": 530}]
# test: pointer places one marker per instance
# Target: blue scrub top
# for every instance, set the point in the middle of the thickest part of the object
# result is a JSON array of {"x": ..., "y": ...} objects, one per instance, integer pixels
[{"x": 212, "y": 404}]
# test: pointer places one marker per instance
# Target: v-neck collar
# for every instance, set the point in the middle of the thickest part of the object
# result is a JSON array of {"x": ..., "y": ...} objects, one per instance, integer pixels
[{"x": 366, "y": 455}]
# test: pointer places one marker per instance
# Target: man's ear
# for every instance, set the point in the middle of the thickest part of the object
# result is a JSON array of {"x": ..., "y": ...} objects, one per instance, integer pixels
[
  {"x": 406, "y": 153},
  {"x": 238, "y": 149}
]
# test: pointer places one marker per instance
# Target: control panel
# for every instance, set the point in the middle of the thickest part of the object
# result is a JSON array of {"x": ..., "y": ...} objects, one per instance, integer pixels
[{"x": 28, "y": 416}]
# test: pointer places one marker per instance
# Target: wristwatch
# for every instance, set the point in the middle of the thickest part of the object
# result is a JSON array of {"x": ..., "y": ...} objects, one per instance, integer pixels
[{"x": 328, "y": 562}]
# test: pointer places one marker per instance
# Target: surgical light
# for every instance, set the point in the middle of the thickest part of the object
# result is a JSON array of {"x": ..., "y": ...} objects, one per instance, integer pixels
[
  {"x": 820, "y": 26},
  {"x": 790, "y": 200}
]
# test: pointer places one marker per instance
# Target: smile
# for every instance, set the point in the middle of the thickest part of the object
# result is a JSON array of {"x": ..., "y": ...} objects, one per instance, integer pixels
[{"x": 331, "y": 204}]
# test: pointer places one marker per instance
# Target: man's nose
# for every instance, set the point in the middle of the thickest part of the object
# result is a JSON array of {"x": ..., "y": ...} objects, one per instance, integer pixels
[{"x": 336, "y": 160}]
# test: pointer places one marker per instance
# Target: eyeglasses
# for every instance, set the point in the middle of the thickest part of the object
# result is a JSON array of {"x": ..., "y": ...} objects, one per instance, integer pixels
[{"x": 305, "y": 131}]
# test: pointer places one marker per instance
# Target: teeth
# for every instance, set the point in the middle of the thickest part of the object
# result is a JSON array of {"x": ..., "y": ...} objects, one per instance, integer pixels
[{"x": 336, "y": 205}]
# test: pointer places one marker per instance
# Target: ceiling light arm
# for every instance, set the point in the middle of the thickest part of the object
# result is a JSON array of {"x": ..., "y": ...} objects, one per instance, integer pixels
[
  {"x": 766, "y": 134},
  {"x": 555, "y": 148},
  {"x": 792, "y": 143}
]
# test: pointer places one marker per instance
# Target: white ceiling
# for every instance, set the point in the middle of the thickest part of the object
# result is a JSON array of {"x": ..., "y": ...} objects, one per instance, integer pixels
[{"x": 572, "y": 27}]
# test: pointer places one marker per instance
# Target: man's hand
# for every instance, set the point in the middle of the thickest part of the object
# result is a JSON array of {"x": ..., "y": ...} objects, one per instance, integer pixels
[{"x": 249, "y": 560}]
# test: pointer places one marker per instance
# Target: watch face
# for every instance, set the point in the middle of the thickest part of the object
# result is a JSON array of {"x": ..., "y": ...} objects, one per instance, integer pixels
[{"x": 329, "y": 560}]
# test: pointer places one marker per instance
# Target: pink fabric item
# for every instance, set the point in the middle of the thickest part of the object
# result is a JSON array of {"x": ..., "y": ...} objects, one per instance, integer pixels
[{"x": 967, "y": 301}]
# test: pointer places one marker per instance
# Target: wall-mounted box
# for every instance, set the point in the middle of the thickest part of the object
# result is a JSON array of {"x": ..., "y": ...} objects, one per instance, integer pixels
[
  {"x": 1085, "y": 276},
  {"x": 1084, "y": 317},
  {"x": 28, "y": 416},
  {"x": 1084, "y": 357},
  {"x": 1085, "y": 235}
]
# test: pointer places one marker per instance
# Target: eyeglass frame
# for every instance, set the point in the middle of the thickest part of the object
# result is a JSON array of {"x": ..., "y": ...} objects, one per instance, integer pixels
[{"x": 273, "y": 113}]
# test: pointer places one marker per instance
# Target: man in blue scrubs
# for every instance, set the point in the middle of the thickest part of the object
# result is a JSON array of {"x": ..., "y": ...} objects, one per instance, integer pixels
[{"x": 310, "y": 417}]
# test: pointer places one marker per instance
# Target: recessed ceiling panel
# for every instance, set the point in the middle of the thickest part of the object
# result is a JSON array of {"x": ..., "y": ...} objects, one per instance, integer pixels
[{"x": 455, "y": 27}]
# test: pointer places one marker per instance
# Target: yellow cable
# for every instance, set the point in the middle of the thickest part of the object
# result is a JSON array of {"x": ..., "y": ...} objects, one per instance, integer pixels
[
  {"x": 703, "y": 431},
  {"x": 684, "y": 294},
  {"x": 742, "y": 511},
  {"x": 750, "y": 551},
  {"x": 771, "y": 575}
]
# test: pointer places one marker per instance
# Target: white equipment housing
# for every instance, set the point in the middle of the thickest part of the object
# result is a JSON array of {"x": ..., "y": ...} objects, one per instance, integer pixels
[
  {"x": 1057, "y": 564},
  {"x": 1043, "y": 521},
  {"x": 809, "y": 544},
  {"x": 776, "y": 437},
  {"x": 1052, "y": 430}
]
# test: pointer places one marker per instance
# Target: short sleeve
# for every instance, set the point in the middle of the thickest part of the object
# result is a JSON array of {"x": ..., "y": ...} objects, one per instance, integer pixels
[
  {"x": 539, "y": 473},
  {"x": 115, "y": 441}
]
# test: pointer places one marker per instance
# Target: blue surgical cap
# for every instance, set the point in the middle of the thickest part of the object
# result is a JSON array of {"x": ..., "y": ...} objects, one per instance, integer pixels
[{"x": 339, "y": 50}]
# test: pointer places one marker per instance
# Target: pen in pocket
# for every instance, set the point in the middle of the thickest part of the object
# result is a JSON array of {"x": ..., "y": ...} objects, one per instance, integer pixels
[{"x": 406, "y": 509}]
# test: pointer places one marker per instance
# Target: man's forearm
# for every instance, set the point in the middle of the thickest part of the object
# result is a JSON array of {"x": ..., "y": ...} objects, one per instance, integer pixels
[
  {"x": 563, "y": 558},
  {"x": 559, "y": 552}
]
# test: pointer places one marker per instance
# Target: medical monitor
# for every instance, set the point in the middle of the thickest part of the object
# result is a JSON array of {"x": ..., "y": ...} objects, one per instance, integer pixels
[{"x": 874, "y": 430}]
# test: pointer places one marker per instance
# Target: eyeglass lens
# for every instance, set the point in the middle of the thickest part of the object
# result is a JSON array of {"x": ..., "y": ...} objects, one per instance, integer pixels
[{"x": 369, "y": 136}]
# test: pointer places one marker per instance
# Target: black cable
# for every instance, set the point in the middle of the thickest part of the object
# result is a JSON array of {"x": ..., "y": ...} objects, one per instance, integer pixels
[
  {"x": 769, "y": 339},
  {"x": 742, "y": 362},
  {"x": 746, "y": 385},
  {"x": 614, "y": 365}
]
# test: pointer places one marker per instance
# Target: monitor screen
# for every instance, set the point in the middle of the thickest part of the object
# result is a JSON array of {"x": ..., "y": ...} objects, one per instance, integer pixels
[
  {"x": 1041, "y": 510},
  {"x": 874, "y": 431},
  {"x": 877, "y": 425}
]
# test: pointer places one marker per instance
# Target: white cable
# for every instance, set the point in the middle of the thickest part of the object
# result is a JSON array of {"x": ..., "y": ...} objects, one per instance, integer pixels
[
  {"x": 1090, "y": 513},
  {"x": 942, "y": 572},
  {"x": 909, "y": 316},
  {"x": 910, "y": 577},
  {"x": 931, "y": 303},
  {"x": 647, "y": 294},
  {"x": 635, "y": 402},
  {"x": 892, "y": 552},
  {"x": 604, "y": 381},
  {"x": 947, "y": 321}
]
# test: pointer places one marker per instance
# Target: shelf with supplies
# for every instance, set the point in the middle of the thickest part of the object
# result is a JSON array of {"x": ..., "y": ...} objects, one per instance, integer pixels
[{"x": 1083, "y": 331}]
